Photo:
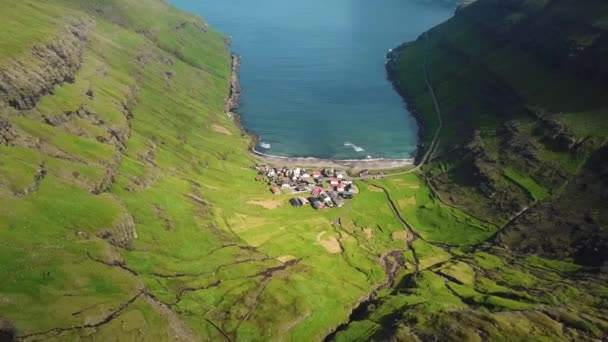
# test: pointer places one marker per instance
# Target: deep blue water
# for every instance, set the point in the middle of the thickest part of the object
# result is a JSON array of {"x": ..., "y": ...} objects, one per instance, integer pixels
[{"x": 313, "y": 77}]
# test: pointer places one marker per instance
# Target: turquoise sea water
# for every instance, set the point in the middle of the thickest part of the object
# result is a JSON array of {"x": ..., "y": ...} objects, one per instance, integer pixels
[{"x": 312, "y": 72}]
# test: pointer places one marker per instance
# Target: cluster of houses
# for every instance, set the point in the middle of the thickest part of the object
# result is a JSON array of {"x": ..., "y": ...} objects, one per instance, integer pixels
[{"x": 328, "y": 188}]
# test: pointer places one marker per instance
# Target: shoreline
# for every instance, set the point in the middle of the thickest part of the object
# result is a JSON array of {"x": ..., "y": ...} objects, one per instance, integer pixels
[
  {"x": 392, "y": 58},
  {"x": 232, "y": 103},
  {"x": 355, "y": 164}
]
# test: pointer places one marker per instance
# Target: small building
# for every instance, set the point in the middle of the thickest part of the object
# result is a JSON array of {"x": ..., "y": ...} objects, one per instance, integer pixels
[
  {"x": 316, "y": 174},
  {"x": 334, "y": 181},
  {"x": 275, "y": 190},
  {"x": 336, "y": 199},
  {"x": 364, "y": 173},
  {"x": 317, "y": 191},
  {"x": 303, "y": 200},
  {"x": 306, "y": 181},
  {"x": 326, "y": 200},
  {"x": 296, "y": 202},
  {"x": 341, "y": 187},
  {"x": 317, "y": 204}
]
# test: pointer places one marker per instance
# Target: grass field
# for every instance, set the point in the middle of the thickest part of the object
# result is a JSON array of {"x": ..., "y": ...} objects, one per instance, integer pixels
[
  {"x": 130, "y": 215},
  {"x": 130, "y": 210},
  {"x": 134, "y": 199},
  {"x": 536, "y": 191},
  {"x": 433, "y": 220}
]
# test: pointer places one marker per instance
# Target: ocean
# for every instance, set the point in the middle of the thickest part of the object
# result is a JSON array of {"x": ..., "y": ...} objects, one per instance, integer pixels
[{"x": 313, "y": 76}]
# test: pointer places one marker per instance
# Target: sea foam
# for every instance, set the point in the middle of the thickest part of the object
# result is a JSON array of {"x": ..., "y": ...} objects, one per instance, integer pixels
[
  {"x": 354, "y": 147},
  {"x": 265, "y": 145}
]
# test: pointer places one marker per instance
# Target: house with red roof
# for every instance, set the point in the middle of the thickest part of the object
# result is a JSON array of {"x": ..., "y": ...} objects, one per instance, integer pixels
[{"x": 317, "y": 191}]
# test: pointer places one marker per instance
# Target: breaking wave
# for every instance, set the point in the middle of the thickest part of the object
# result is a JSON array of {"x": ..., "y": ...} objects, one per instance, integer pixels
[
  {"x": 354, "y": 147},
  {"x": 265, "y": 145}
]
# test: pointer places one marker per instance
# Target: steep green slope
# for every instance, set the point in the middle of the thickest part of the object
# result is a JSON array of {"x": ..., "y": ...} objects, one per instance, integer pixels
[
  {"x": 523, "y": 93},
  {"x": 519, "y": 162},
  {"x": 461, "y": 288},
  {"x": 129, "y": 209}
]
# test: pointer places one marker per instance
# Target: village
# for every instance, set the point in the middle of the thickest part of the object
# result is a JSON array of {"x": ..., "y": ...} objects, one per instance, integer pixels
[{"x": 326, "y": 188}]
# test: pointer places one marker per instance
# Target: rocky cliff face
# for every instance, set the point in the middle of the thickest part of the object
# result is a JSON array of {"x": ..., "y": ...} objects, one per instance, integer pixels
[
  {"x": 235, "y": 86},
  {"x": 24, "y": 81}
]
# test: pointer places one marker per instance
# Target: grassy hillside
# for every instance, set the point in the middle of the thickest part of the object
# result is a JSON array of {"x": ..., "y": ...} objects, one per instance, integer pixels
[
  {"x": 129, "y": 209},
  {"x": 518, "y": 166},
  {"x": 523, "y": 94},
  {"x": 455, "y": 286},
  {"x": 129, "y": 206}
]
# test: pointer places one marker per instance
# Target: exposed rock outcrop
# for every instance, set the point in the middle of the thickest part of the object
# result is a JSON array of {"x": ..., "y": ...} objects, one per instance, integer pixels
[
  {"x": 7, "y": 133},
  {"x": 23, "y": 82},
  {"x": 7, "y": 331},
  {"x": 235, "y": 86},
  {"x": 392, "y": 60},
  {"x": 122, "y": 233}
]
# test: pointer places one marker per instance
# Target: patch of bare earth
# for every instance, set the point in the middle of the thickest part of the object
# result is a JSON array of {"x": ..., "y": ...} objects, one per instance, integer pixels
[
  {"x": 406, "y": 202},
  {"x": 286, "y": 258},
  {"x": 369, "y": 233},
  {"x": 332, "y": 245},
  {"x": 221, "y": 129},
  {"x": 268, "y": 204},
  {"x": 401, "y": 235}
]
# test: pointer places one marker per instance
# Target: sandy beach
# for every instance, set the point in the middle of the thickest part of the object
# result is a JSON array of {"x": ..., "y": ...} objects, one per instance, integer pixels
[{"x": 359, "y": 164}]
